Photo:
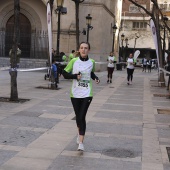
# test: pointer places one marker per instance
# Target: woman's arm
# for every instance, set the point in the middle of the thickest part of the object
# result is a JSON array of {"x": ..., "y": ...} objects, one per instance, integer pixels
[
  {"x": 93, "y": 76},
  {"x": 67, "y": 75}
]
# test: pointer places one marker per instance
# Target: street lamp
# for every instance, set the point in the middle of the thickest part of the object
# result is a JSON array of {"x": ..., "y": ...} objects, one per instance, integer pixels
[
  {"x": 114, "y": 31},
  {"x": 77, "y": 2},
  {"x": 126, "y": 41},
  {"x": 58, "y": 10},
  {"x": 88, "y": 23},
  {"x": 122, "y": 38}
]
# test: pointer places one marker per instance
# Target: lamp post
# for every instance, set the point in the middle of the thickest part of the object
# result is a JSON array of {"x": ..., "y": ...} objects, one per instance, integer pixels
[
  {"x": 126, "y": 41},
  {"x": 114, "y": 31},
  {"x": 59, "y": 8},
  {"x": 88, "y": 23},
  {"x": 77, "y": 2},
  {"x": 122, "y": 39}
]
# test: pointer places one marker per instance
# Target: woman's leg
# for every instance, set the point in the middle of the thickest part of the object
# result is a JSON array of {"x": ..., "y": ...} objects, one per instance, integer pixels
[
  {"x": 128, "y": 74},
  {"x": 131, "y": 74},
  {"x": 81, "y": 106},
  {"x": 108, "y": 74},
  {"x": 111, "y": 72},
  {"x": 76, "y": 102},
  {"x": 82, "y": 117}
]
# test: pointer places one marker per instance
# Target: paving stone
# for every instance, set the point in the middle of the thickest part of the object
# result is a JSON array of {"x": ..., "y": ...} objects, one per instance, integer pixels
[
  {"x": 98, "y": 144},
  {"x": 124, "y": 101},
  {"x": 29, "y": 113},
  {"x": 57, "y": 102},
  {"x": 6, "y": 155},
  {"x": 51, "y": 109},
  {"x": 161, "y": 104},
  {"x": 26, "y": 121},
  {"x": 8, "y": 105},
  {"x": 129, "y": 96},
  {"x": 19, "y": 163},
  {"x": 129, "y": 92},
  {"x": 135, "y": 130},
  {"x": 15, "y": 137},
  {"x": 166, "y": 166},
  {"x": 77, "y": 163},
  {"x": 120, "y": 115},
  {"x": 163, "y": 132},
  {"x": 121, "y": 107},
  {"x": 162, "y": 118}
]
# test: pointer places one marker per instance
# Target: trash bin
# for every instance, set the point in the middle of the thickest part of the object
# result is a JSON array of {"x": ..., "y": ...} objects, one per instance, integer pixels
[{"x": 119, "y": 66}]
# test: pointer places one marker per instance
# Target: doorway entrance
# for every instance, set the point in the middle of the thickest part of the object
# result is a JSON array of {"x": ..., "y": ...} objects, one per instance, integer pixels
[{"x": 24, "y": 39}]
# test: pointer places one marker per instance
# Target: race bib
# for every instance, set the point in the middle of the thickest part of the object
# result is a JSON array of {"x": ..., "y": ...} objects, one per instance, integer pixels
[
  {"x": 84, "y": 81},
  {"x": 81, "y": 84}
]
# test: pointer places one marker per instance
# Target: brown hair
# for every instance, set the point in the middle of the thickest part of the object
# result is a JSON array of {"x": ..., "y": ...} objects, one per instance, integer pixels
[{"x": 85, "y": 43}]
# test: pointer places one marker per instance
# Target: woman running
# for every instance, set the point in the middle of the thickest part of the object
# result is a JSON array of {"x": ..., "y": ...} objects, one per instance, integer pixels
[
  {"x": 110, "y": 67},
  {"x": 130, "y": 68},
  {"x": 81, "y": 70}
]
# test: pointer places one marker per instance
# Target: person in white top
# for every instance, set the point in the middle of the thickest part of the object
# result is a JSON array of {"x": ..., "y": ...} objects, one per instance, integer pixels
[
  {"x": 81, "y": 70},
  {"x": 110, "y": 67},
  {"x": 144, "y": 62},
  {"x": 130, "y": 68}
]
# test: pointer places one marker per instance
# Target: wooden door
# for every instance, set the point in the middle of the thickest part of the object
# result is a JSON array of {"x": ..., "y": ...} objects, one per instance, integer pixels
[{"x": 25, "y": 36}]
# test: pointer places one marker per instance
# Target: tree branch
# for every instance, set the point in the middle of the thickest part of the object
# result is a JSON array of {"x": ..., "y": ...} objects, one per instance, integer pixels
[{"x": 140, "y": 6}]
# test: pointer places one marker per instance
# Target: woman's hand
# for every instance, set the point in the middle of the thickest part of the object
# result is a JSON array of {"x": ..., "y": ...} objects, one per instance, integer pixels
[
  {"x": 97, "y": 81},
  {"x": 79, "y": 76}
]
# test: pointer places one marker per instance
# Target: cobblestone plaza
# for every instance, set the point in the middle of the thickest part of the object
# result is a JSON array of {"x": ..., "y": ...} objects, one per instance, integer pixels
[{"x": 124, "y": 129}]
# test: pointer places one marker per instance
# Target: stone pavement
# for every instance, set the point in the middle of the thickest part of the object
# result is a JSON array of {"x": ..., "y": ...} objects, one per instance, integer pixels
[{"x": 124, "y": 129}]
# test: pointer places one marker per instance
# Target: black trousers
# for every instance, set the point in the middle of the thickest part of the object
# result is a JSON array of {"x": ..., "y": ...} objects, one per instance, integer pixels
[
  {"x": 144, "y": 68},
  {"x": 130, "y": 74},
  {"x": 149, "y": 68},
  {"x": 81, "y": 106},
  {"x": 110, "y": 72}
]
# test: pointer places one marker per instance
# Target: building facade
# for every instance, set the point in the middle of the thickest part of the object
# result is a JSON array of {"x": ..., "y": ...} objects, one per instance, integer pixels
[
  {"x": 135, "y": 27},
  {"x": 33, "y": 27}
]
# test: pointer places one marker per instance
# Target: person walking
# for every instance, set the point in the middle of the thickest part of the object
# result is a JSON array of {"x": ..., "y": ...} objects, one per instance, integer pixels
[
  {"x": 71, "y": 55},
  {"x": 17, "y": 57},
  {"x": 54, "y": 75},
  {"x": 81, "y": 70},
  {"x": 110, "y": 67},
  {"x": 130, "y": 68},
  {"x": 149, "y": 64},
  {"x": 144, "y": 63}
]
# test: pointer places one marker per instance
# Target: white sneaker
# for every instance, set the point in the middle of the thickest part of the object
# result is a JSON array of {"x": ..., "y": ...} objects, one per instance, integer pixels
[
  {"x": 130, "y": 82},
  {"x": 78, "y": 140},
  {"x": 80, "y": 147}
]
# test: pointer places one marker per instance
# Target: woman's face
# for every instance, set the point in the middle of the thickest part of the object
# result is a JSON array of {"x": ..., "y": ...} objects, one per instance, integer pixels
[
  {"x": 84, "y": 50},
  {"x": 131, "y": 56}
]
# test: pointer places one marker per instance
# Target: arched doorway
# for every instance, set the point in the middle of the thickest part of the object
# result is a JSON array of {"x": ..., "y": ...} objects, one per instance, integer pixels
[{"x": 25, "y": 36}]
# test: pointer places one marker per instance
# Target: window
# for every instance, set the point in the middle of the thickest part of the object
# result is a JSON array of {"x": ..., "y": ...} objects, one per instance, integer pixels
[
  {"x": 134, "y": 9},
  {"x": 139, "y": 25},
  {"x": 164, "y": 7}
]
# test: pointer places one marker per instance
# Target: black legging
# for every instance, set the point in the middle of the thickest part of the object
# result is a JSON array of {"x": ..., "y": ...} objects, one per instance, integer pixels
[
  {"x": 130, "y": 74},
  {"x": 110, "y": 72},
  {"x": 81, "y": 106}
]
